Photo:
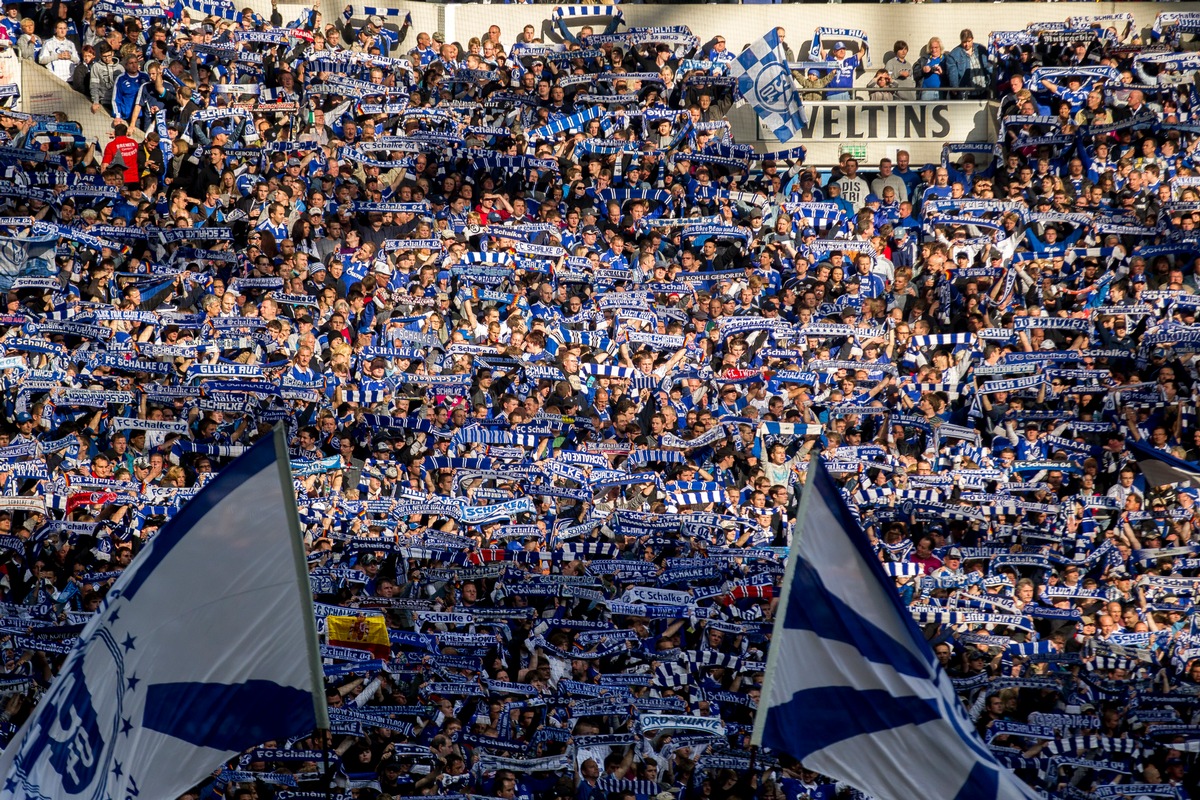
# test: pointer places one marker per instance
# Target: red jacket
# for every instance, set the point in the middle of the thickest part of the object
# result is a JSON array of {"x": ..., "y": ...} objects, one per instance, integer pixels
[{"x": 128, "y": 150}]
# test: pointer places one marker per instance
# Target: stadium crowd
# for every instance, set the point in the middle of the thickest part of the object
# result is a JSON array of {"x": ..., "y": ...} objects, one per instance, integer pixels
[{"x": 554, "y": 353}]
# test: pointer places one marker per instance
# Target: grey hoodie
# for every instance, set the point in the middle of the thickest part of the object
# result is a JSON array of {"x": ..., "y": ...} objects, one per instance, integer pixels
[{"x": 104, "y": 77}]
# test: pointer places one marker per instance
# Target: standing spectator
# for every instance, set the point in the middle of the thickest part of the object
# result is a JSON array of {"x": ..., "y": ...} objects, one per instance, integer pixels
[
  {"x": 104, "y": 73},
  {"x": 59, "y": 53},
  {"x": 967, "y": 66},
  {"x": 122, "y": 152},
  {"x": 126, "y": 89},
  {"x": 889, "y": 178},
  {"x": 848, "y": 68},
  {"x": 930, "y": 71},
  {"x": 902, "y": 71},
  {"x": 29, "y": 44},
  {"x": 853, "y": 188},
  {"x": 787, "y": 50}
]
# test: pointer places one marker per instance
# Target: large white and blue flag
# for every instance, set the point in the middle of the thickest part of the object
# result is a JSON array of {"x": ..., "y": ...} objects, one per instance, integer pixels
[
  {"x": 764, "y": 79},
  {"x": 853, "y": 690},
  {"x": 1161, "y": 468},
  {"x": 206, "y": 646}
]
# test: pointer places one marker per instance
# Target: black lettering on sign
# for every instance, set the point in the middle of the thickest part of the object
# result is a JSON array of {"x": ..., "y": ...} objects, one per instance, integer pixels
[
  {"x": 914, "y": 122},
  {"x": 872, "y": 123},
  {"x": 878, "y": 121},
  {"x": 831, "y": 120},
  {"x": 853, "y": 121},
  {"x": 942, "y": 124}
]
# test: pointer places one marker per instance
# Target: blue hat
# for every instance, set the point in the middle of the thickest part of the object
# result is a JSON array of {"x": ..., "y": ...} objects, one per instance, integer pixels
[
  {"x": 900, "y": 232},
  {"x": 840, "y": 46},
  {"x": 495, "y": 217},
  {"x": 444, "y": 275},
  {"x": 217, "y": 131},
  {"x": 808, "y": 232},
  {"x": 873, "y": 199},
  {"x": 23, "y": 417}
]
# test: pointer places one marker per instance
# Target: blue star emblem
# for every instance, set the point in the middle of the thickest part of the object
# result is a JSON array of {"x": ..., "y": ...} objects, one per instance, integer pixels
[
  {"x": 117, "y": 768},
  {"x": 116, "y": 615},
  {"x": 128, "y": 643},
  {"x": 126, "y": 726},
  {"x": 10, "y": 784},
  {"x": 133, "y": 681}
]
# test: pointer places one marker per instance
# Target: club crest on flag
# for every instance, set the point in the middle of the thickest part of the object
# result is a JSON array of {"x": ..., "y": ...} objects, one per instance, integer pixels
[
  {"x": 772, "y": 84},
  {"x": 67, "y": 743},
  {"x": 764, "y": 79},
  {"x": 152, "y": 697}
]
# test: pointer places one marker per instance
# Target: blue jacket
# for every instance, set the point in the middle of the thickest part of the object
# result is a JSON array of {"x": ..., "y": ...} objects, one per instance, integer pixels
[
  {"x": 958, "y": 63},
  {"x": 125, "y": 92}
]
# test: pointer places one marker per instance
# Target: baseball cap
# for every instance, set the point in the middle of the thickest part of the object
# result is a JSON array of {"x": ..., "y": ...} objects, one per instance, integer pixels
[
  {"x": 840, "y": 46},
  {"x": 23, "y": 417},
  {"x": 808, "y": 232},
  {"x": 217, "y": 131},
  {"x": 871, "y": 198},
  {"x": 293, "y": 162},
  {"x": 954, "y": 552}
]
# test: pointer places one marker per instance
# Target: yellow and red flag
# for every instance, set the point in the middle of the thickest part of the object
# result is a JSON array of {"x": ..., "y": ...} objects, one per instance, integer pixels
[{"x": 360, "y": 632}]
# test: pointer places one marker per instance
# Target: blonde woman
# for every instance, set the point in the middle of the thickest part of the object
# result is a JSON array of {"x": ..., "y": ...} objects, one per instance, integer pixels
[{"x": 930, "y": 71}]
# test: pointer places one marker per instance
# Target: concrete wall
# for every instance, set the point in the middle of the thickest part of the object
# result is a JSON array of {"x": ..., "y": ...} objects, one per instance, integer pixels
[
  {"x": 43, "y": 92},
  {"x": 883, "y": 24}
]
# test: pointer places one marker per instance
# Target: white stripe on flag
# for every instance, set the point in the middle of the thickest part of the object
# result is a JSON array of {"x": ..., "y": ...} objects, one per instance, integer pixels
[
  {"x": 206, "y": 646},
  {"x": 1162, "y": 468},
  {"x": 852, "y": 688}
]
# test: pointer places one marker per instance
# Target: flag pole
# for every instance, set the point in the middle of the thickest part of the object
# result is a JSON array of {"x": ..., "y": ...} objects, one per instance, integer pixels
[
  {"x": 326, "y": 740},
  {"x": 760, "y": 719},
  {"x": 283, "y": 459}
]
